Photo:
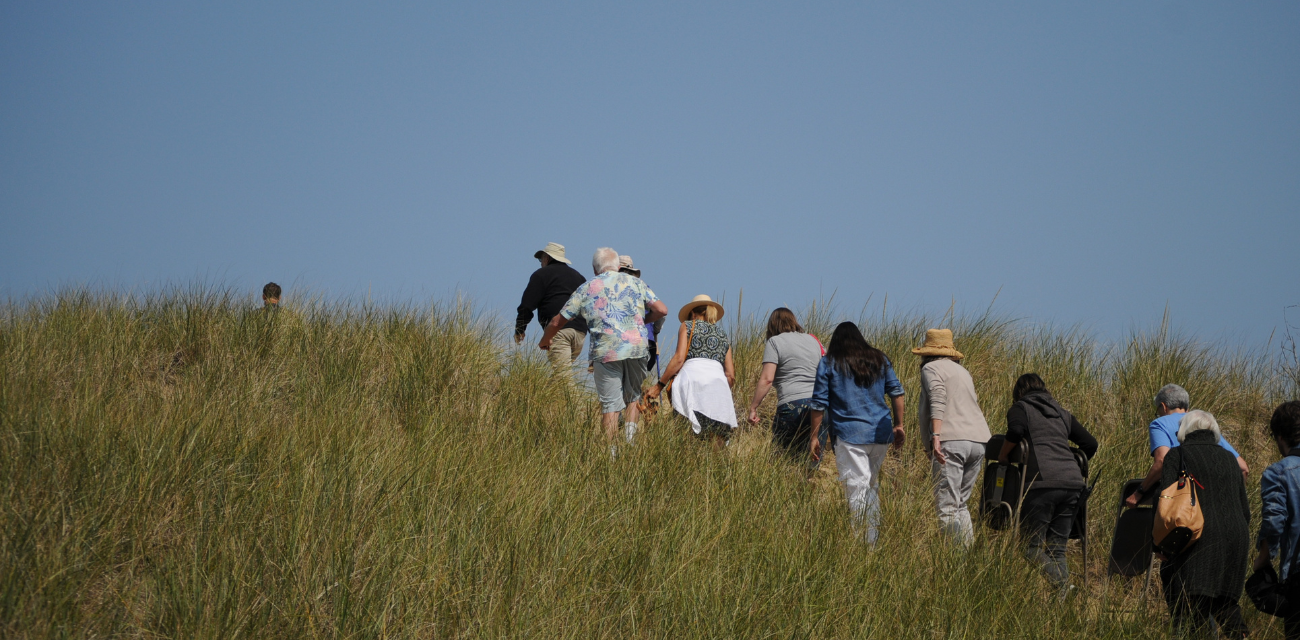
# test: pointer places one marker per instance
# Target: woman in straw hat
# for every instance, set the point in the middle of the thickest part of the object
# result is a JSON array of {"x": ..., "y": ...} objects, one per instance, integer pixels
[
  {"x": 953, "y": 431},
  {"x": 702, "y": 372},
  {"x": 856, "y": 387}
]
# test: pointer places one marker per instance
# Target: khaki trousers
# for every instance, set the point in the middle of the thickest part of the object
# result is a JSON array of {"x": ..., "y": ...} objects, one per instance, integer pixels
[{"x": 565, "y": 348}]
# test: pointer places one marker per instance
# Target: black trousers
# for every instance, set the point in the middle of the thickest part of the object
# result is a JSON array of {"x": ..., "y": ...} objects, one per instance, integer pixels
[
  {"x": 1191, "y": 616},
  {"x": 1046, "y": 517},
  {"x": 1291, "y": 621}
]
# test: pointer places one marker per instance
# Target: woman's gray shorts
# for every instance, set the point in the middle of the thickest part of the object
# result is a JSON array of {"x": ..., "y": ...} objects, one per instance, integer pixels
[{"x": 618, "y": 383}]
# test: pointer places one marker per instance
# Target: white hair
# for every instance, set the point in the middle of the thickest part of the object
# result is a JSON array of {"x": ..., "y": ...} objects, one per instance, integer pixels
[
  {"x": 605, "y": 259},
  {"x": 1198, "y": 421}
]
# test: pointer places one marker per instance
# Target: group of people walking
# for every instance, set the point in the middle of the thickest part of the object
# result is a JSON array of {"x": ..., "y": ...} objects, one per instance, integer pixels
[{"x": 846, "y": 396}]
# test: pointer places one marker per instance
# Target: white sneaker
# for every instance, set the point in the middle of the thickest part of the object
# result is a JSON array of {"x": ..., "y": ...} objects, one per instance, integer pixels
[{"x": 1065, "y": 593}]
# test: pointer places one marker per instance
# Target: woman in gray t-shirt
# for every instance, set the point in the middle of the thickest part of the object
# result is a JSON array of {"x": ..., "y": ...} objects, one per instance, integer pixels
[{"x": 790, "y": 364}]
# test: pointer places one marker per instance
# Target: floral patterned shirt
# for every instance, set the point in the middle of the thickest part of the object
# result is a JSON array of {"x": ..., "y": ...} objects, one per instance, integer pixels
[{"x": 614, "y": 306}]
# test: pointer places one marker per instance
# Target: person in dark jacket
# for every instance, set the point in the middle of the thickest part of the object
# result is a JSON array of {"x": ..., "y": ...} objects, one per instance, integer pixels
[
  {"x": 1205, "y": 581},
  {"x": 548, "y": 290},
  {"x": 1053, "y": 478}
]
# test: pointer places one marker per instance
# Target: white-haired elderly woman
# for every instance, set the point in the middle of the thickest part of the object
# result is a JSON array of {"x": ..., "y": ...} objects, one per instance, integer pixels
[{"x": 1204, "y": 582}]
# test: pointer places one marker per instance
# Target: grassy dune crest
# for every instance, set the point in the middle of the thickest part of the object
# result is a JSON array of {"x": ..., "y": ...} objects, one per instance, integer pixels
[{"x": 186, "y": 466}]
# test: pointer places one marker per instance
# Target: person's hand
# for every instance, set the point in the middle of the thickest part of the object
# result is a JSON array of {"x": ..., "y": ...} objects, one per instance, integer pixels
[
  {"x": 519, "y": 338},
  {"x": 545, "y": 344},
  {"x": 1131, "y": 501},
  {"x": 753, "y": 416},
  {"x": 653, "y": 392},
  {"x": 899, "y": 437},
  {"x": 816, "y": 449},
  {"x": 936, "y": 451},
  {"x": 1262, "y": 560},
  {"x": 731, "y": 381}
]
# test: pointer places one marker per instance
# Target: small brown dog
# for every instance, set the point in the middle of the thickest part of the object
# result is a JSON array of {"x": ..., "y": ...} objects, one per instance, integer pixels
[{"x": 651, "y": 400}]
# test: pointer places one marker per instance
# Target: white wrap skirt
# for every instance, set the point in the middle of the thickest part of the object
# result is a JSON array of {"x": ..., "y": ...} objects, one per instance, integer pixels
[{"x": 701, "y": 386}]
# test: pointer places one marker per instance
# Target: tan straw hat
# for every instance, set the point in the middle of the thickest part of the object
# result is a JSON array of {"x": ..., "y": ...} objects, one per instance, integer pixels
[
  {"x": 625, "y": 262},
  {"x": 698, "y": 301},
  {"x": 555, "y": 250},
  {"x": 938, "y": 342}
]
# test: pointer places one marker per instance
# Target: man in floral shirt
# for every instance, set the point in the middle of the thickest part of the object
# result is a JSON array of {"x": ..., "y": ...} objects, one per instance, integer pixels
[{"x": 615, "y": 306}]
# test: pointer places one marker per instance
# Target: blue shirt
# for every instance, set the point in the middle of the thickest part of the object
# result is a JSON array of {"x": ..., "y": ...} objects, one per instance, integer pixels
[
  {"x": 857, "y": 415},
  {"x": 1164, "y": 433},
  {"x": 1280, "y": 515}
]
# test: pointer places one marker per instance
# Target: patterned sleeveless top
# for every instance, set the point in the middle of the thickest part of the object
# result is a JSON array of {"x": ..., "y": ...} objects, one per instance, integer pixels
[{"x": 707, "y": 341}]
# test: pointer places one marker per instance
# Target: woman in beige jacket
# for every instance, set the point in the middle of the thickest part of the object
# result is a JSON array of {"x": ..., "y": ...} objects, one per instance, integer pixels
[{"x": 953, "y": 431}]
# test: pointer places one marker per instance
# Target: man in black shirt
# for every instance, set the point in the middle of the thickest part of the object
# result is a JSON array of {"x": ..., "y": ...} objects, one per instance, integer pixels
[{"x": 548, "y": 289}]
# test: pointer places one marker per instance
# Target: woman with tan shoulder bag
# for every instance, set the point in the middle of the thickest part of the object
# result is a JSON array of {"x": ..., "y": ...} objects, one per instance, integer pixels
[{"x": 1204, "y": 580}]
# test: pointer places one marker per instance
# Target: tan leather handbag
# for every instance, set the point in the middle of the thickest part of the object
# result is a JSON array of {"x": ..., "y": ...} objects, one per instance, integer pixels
[{"x": 1179, "y": 520}]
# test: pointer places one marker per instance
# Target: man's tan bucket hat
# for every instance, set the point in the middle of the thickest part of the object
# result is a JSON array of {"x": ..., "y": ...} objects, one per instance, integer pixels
[
  {"x": 938, "y": 342},
  {"x": 555, "y": 250},
  {"x": 700, "y": 300},
  {"x": 625, "y": 262}
]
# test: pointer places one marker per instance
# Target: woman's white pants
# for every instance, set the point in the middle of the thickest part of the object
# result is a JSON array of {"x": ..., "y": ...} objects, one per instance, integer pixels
[{"x": 859, "y": 467}]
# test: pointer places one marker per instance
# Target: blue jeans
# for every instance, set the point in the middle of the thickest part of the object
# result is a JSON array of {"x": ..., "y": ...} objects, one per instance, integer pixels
[{"x": 792, "y": 428}]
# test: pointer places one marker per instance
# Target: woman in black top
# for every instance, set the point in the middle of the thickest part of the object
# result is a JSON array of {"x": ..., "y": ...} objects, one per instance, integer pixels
[
  {"x": 1205, "y": 581},
  {"x": 1053, "y": 478}
]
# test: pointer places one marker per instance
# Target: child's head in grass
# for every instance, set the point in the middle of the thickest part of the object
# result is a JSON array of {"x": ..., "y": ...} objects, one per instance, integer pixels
[{"x": 271, "y": 295}]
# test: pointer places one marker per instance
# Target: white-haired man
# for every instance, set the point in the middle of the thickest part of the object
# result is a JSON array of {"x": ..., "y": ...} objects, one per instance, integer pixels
[
  {"x": 615, "y": 307},
  {"x": 1172, "y": 403}
]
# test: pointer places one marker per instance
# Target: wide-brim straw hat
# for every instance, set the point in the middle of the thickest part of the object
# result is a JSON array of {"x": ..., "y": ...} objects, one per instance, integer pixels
[
  {"x": 625, "y": 262},
  {"x": 555, "y": 250},
  {"x": 938, "y": 342},
  {"x": 698, "y": 301}
]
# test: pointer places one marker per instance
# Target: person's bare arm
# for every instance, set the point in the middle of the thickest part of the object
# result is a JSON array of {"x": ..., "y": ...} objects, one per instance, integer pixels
[
  {"x": 1153, "y": 476},
  {"x": 553, "y": 327},
  {"x": 899, "y": 433},
  {"x": 729, "y": 369},
  {"x": 815, "y": 425},
  {"x": 1263, "y": 559},
  {"x": 655, "y": 310},
  {"x": 1245, "y": 468},
  {"x": 1005, "y": 454},
  {"x": 679, "y": 356},
  {"x": 765, "y": 378}
]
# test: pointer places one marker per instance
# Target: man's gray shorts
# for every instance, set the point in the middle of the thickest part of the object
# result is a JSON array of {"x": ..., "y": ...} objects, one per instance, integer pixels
[{"x": 618, "y": 383}]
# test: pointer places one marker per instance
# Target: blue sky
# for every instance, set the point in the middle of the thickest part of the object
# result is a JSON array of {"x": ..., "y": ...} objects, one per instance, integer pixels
[{"x": 1096, "y": 163}]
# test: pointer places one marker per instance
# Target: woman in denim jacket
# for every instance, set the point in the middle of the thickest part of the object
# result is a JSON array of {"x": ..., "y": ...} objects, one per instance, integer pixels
[
  {"x": 1279, "y": 527},
  {"x": 853, "y": 382}
]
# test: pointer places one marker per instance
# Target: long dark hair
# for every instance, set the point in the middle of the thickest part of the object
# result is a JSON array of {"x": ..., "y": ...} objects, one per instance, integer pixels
[
  {"x": 782, "y": 321},
  {"x": 850, "y": 353},
  {"x": 1026, "y": 384}
]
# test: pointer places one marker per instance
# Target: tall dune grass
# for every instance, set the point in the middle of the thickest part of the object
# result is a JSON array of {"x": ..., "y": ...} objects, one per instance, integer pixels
[{"x": 188, "y": 466}]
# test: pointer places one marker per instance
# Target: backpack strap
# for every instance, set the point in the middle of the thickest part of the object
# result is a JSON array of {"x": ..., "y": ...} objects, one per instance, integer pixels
[{"x": 819, "y": 344}]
